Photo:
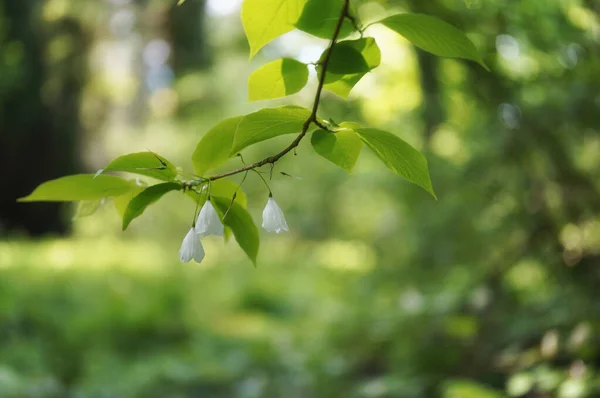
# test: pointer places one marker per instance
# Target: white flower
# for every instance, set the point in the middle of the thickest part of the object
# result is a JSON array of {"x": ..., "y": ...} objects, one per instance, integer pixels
[
  {"x": 273, "y": 219},
  {"x": 208, "y": 222},
  {"x": 191, "y": 247}
]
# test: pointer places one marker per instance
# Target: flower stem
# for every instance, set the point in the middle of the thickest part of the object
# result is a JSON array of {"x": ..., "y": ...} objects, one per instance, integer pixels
[{"x": 265, "y": 181}]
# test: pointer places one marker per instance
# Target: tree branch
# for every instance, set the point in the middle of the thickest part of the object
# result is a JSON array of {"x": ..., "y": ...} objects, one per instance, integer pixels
[{"x": 313, "y": 115}]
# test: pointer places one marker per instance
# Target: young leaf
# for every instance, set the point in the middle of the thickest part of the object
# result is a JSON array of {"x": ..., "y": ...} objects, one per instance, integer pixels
[
  {"x": 277, "y": 79},
  {"x": 138, "y": 204},
  {"x": 268, "y": 123},
  {"x": 264, "y": 20},
  {"x": 79, "y": 187},
  {"x": 434, "y": 35},
  {"x": 144, "y": 163},
  {"x": 86, "y": 208},
  {"x": 342, "y": 147},
  {"x": 342, "y": 84},
  {"x": 398, "y": 156},
  {"x": 320, "y": 17},
  {"x": 215, "y": 147},
  {"x": 241, "y": 224}
]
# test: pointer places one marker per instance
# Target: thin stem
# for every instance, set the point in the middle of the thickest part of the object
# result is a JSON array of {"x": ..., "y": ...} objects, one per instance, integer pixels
[
  {"x": 351, "y": 18},
  {"x": 235, "y": 193},
  {"x": 313, "y": 115},
  {"x": 322, "y": 126},
  {"x": 196, "y": 210},
  {"x": 185, "y": 173},
  {"x": 367, "y": 26},
  {"x": 265, "y": 181}
]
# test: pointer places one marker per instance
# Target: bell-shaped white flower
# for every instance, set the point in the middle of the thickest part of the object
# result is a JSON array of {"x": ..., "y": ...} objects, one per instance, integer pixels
[
  {"x": 208, "y": 222},
  {"x": 191, "y": 248},
  {"x": 273, "y": 219}
]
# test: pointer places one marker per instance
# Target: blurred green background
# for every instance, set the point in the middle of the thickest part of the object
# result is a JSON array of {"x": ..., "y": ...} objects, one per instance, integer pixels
[{"x": 378, "y": 290}]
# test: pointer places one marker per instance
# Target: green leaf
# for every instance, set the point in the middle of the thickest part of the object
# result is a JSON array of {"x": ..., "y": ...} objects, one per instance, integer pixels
[
  {"x": 232, "y": 135},
  {"x": 349, "y": 125},
  {"x": 226, "y": 189},
  {"x": 241, "y": 224},
  {"x": 277, "y": 79},
  {"x": 342, "y": 84},
  {"x": 320, "y": 17},
  {"x": 434, "y": 35},
  {"x": 268, "y": 123},
  {"x": 346, "y": 59},
  {"x": 86, "y": 208},
  {"x": 79, "y": 187},
  {"x": 144, "y": 163},
  {"x": 215, "y": 147},
  {"x": 138, "y": 204},
  {"x": 122, "y": 201},
  {"x": 398, "y": 156},
  {"x": 342, "y": 147},
  {"x": 264, "y": 20},
  {"x": 368, "y": 49}
]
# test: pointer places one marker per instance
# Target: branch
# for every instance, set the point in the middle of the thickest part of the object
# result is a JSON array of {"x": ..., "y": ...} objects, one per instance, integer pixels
[{"x": 313, "y": 115}]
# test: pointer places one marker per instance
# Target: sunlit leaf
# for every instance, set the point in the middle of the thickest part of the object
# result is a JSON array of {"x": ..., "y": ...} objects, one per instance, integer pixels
[
  {"x": 79, "y": 187},
  {"x": 434, "y": 35},
  {"x": 342, "y": 148},
  {"x": 230, "y": 136},
  {"x": 268, "y": 123},
  {"x": 320, "y": 17},
  {"x": 215, "y": 147},
  {"x": 144, "y": 163},
  {"x": 241, "y": 224},
  {"x": 277, "y": 79},
  {"x": 138, "y": 204},
  {"x": 398, "y": 156},
  {"x": 264, "y": 20},
  {"x": 342, "y": 84}
]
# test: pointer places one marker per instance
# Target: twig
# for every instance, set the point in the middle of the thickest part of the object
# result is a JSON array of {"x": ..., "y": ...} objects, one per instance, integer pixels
[
  {"x": 313, "y": 115},
  {"x": 323, "y": 126}
]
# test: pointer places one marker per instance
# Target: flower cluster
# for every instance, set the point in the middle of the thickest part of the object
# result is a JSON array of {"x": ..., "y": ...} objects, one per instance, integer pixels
[{"x": 209, "y": 223}]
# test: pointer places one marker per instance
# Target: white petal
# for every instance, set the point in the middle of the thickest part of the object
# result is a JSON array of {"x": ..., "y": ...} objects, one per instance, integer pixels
[
  {"x": 273, "y": 219},
  {"x": 208, "y": 222},
  {"x": 191, "y": 248},
  {"x": 198, "y": 251}
]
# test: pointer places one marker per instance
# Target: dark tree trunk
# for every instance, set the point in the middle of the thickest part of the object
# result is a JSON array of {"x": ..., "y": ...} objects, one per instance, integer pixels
[
  {"x": 39, "y": 115},
  {"x": 188, "y": 36}
]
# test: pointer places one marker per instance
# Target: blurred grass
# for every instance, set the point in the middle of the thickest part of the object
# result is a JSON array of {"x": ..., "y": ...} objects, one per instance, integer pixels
[{"x": 107, "y": 317}]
